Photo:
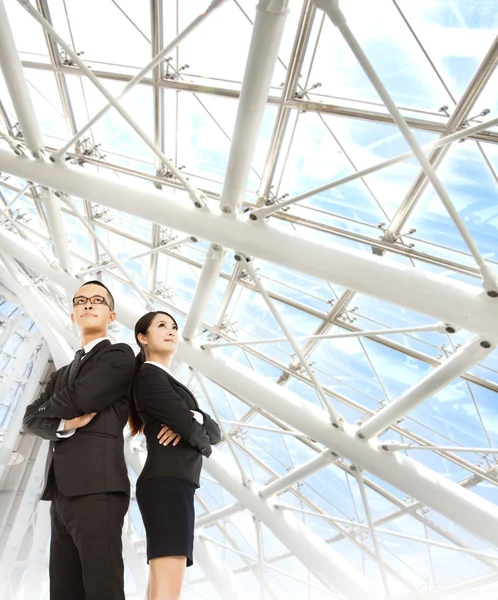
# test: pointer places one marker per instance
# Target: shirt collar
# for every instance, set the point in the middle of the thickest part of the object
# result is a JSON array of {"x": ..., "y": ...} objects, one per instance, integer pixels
[
  {"x": 91, "y": 345},
  {"x": 151, "y": 362}
]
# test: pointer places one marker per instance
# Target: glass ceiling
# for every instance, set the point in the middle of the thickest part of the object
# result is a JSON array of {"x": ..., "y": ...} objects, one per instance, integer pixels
[{"x": 323, "y": 121}]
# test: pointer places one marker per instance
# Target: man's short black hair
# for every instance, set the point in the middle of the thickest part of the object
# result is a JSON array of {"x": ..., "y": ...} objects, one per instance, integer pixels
[{"x": 97, "y": 282}]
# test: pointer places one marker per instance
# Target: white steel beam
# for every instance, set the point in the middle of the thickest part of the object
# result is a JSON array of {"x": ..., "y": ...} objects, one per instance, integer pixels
[
  {"x": 462, "y": 506},
  {"x": 267, "y": 34},
  {"x": 326, "y": 564},
  {"x": 458, "y": 363},
  {"x": 442, "y": 299},
  {"x": 13, "y": 72},
  {"x": 134, "y": 561},
  {"x": 222, "y": 578},
  {"x": 60, "y": 340},
  {"x": 216, "y": 516},
  {"x": 56, "y": 226},
  {"x": 211, "y": 269},
  {"x": 298, "y": 474}
]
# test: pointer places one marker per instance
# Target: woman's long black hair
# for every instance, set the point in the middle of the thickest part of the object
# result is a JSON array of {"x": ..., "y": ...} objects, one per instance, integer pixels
[{"x": 142, "y": 326}]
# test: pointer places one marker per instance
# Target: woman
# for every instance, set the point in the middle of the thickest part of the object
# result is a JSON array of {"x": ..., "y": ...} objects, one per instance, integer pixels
[{"x": 178, "y": 434}]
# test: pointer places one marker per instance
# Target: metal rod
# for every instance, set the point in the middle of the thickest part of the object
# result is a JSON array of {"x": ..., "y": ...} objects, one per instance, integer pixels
[
  {"x": 300, "y": 473},
  {"x": 208, "y": 278},
  {"x": 266, "y": 211},
  {"x": 440, "y": 327},
  {"x": 13, "y": 73},
  {"x": 331, "y": 8},
  {"x": 160, "y": 248},
  {"x": 17, "y": 196},
  {"x": 297, "y": 104},
  {"x": 140, "y": 75},
  {"x": 336, "y": 419},
  {"x": 263, "y": 52},
  {"x": 398, "y": 446},
  {"x": 366, "y": 505},
  {"x": 363, "y": 526},
  {"x": 241, "y": 424},
  {"x": 461, "y": 361},
  {"x": 107, "y": 250},
  {"x": 197, "y": 197}
]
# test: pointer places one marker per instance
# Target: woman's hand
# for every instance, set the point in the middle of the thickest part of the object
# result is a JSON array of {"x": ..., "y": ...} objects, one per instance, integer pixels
[{"x": 167, "y": 435}]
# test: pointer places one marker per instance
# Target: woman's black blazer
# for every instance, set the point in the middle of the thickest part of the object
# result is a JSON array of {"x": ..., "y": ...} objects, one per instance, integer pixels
[{"x": 162, "y": 400}]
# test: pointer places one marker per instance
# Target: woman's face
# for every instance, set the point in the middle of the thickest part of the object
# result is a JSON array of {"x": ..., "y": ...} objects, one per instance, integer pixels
[{"x": 161, "y": 337}]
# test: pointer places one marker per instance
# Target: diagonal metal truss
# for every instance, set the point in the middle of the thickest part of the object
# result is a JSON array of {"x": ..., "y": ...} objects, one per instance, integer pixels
[{"x": 238, "y": 247}]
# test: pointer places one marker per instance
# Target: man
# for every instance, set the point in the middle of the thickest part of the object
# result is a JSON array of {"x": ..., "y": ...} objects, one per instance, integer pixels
[{"x": 83, "y": 411}]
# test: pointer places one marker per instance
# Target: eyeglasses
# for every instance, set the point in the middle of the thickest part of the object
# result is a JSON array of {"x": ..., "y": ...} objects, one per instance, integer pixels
[{"x": 82, "y": 300}]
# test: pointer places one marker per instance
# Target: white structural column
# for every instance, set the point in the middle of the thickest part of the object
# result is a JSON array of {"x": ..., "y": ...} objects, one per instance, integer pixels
[
  {"x": 456, "y": 503},
  {"x": 10, "y": 440},
  {"x": 459, "y": 363},
  {"x": 57, "y": 229},
  {"x": 8, "y": 553},
  {"x": 267, "y": 34},
  {"x": 60, "y": 340},
  {"x": 24, "y": 513},
  {"x": 265, "y": 41},
  {"x": 211, "y": 269},
  {"x": 134, "y": 561},
  {"x": 18, "y": 363},
  {"x": 334, "y": 571},
  {"x": 222, "y": 578},
  {"x": 445, "y": 300},
  {"x": 18, "y": 88},
  {"x": 37, "y": 564},
  {"x": 10, "y": 325},
  {"x": 16, "y": 84}
]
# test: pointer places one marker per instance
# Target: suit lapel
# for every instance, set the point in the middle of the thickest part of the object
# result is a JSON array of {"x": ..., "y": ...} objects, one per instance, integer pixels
[
  {"x": 185, "y": 388},
  {"x": 100, "y": 347}
]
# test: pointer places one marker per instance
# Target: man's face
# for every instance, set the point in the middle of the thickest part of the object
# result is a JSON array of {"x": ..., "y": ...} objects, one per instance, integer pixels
[{"x": 92, "y": 317}]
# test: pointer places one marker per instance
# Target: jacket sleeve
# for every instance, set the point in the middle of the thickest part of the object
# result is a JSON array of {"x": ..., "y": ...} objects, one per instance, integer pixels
[
  {"x": 107, "y": 382},
  {"x": 212, "y": 428},
  {"x": 156, "y": 395},
  {"x": 37, "y": 423}
]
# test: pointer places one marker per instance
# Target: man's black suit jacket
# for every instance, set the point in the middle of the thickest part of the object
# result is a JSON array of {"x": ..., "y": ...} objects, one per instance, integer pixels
[{"x": 91, "y": 460}]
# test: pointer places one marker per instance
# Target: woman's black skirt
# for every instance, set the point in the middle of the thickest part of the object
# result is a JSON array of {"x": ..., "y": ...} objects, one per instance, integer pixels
[{"x": 167, "y": 507}]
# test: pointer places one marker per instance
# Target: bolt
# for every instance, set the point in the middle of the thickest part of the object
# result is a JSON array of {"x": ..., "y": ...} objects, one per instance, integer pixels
[
  {"x": 492, "y": 294},
  {"x": 485, "y": 345}
]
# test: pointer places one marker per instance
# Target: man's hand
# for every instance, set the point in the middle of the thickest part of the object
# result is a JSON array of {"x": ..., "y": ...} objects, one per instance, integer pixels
[
  {"x": 167, "y": 435},
  {"x": 78, "y": 422}
]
